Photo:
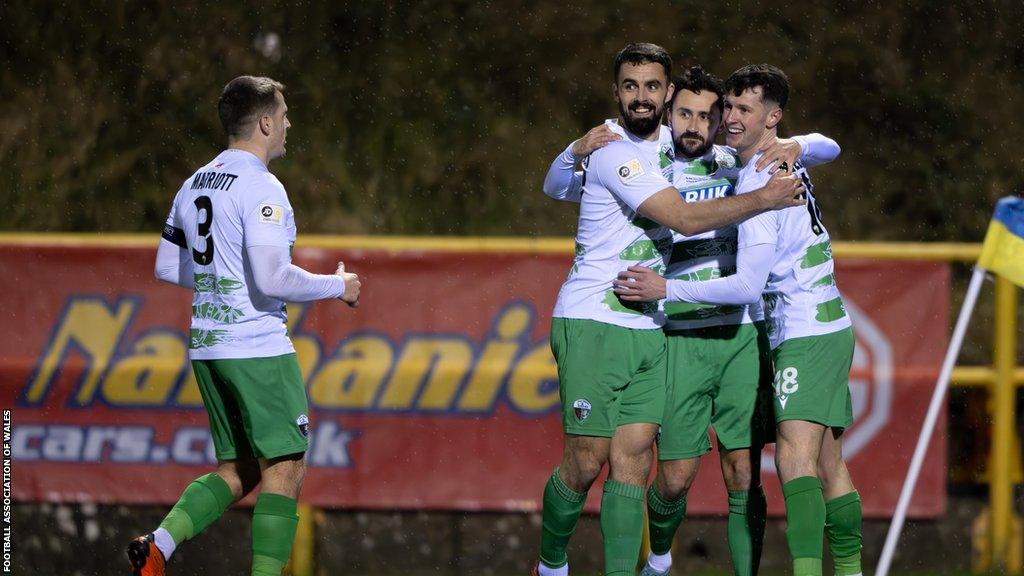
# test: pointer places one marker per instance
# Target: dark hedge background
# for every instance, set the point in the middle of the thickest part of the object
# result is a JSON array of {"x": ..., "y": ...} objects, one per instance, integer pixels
[{"x": 441, "y": 117}]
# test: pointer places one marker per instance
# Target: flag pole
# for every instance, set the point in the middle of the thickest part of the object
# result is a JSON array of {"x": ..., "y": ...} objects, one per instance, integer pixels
[{"x": 929, "y": 422}]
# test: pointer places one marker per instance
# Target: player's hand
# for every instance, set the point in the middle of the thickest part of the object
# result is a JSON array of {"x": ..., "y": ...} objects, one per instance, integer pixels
[
  {"x": 352, "y": 285},
  {"x": 598, "y": 137},
  {"x": 639, "y": 284},
  {"x": 782, "y": 152},
  {"x": 783, "y": 190}
]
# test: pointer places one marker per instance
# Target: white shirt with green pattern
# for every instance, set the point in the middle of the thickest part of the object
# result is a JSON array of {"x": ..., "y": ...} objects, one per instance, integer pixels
[
  {"x": 711, "y": 255},
  {"x": 801, "y": 297},
  {"x": 231, "y": 204},
  {"x": 611, "y": 236}
]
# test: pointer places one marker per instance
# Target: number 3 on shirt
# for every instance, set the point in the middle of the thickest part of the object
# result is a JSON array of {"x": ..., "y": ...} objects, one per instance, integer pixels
[{"x": 205, "y": 210}]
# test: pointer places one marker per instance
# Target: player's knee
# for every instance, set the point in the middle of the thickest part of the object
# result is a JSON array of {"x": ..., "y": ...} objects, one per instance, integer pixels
[
  {"x": 245, "y": 476},
  {"x": 629, "y": 466},
  {"x": 297, "y": 471},
  {"x": 579, "y": 470},
  {"x": 675, "y": 478},
  {"x": 673, "y": 488},
  {"x": 582, "y": 461},
  {"x": 240, "y": 476},
  {"x": 831, "y": 471},
  {"x": 737, "y": 475},
  {"x": 285, "y": 475},
  {"x": 793, "y": 463}
]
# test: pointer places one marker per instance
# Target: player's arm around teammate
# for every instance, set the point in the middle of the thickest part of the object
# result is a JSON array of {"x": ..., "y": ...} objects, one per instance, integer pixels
[
  {"x": 564, "y": 182},
  {"x": 668, "y": 209},
  {"x": 811, "y": 338}
]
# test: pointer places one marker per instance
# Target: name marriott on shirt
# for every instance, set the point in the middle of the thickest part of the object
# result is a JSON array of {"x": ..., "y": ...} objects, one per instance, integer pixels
[{"x": 213, "y": 181}]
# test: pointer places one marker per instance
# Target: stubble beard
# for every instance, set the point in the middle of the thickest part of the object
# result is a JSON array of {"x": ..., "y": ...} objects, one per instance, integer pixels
[{"x": 701, "y": 149}]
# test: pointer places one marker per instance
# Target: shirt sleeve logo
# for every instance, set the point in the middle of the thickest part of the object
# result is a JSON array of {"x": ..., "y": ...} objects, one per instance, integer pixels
[
  {"x": 630, "y": 170},
  {"x": 271, "y": 214}
]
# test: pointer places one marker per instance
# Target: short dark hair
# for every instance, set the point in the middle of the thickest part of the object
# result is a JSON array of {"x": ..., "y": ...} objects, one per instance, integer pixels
[
  {"x": 244, "y": 100},
  {"x": 695, "y": 79},
  {"x": 773, "y": 82},
  {"x": 642, "y": 53}
]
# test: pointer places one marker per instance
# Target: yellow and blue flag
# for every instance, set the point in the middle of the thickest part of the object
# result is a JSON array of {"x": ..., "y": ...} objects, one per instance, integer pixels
[{"x": 1003, "y": 250}]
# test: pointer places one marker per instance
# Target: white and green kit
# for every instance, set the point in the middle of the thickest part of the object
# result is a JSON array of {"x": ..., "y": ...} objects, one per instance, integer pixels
[
  {"x": 787, "y": 255},
  {"x": 231, "y": 228},
  {"x": 600, "y": 390},
  {"x": 720, "y": 367}
]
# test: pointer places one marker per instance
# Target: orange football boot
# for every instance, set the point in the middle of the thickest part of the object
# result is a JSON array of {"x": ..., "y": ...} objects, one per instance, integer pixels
[{"x": 144, "y": 558}]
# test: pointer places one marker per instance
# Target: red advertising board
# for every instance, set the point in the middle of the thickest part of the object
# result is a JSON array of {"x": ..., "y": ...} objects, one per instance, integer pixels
[{"x": 438, "y": 392}]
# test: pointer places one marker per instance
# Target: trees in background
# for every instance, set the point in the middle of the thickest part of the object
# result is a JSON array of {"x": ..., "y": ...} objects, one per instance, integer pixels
[{"x": 441, "y": 117}]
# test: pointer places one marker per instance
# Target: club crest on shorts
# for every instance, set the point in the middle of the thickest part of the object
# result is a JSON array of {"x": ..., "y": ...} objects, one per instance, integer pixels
[
  {"x": 581, "y": 408},
  {"x": 303, "y": 423}
]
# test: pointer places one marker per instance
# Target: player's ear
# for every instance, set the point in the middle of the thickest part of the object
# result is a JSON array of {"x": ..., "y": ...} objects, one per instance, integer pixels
[
  {"x": 668, "y": 93},
  {"x": 265, "y": 123},
  {"x": 774, "y": 117}
]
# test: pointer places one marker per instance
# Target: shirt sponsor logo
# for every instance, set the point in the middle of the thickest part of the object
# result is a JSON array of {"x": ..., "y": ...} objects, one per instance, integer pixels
[
  {"x": 630, "y": 170},
  {"x": 709, "y": 193},
  {"x": 271, "y": 214}
]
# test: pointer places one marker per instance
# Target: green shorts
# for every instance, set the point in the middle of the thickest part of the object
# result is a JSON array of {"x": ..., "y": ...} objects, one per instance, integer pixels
[
  {"x": 608, "y": 375},
  {"x": 257, "y": 406},
  {"x": 719, "y": 376},
  {"x": 812, "y": 379}
]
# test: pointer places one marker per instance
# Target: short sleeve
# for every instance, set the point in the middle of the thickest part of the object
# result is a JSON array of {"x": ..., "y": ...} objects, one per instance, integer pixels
[
  {"x": 623, "y": 171},
  {"x": 267, "y": 216}
]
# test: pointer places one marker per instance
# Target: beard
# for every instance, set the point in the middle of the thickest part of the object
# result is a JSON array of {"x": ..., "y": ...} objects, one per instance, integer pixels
[
  {"x": 687, "y": 149},
  {"x": 642, "y": 126}
]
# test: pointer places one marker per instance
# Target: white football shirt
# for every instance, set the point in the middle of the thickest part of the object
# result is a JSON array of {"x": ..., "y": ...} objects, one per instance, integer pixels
[
  {"x": 801, "y": 297},
  {"x": 228, "y": 205},
  {"x": 611, "y": 236},
  {"x": 711, "y": 254}
]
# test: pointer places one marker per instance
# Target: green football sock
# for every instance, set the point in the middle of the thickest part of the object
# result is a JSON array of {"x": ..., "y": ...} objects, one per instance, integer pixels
[
  {"x": 274, "y": 520},
  {"x": 748, "y": 513},
  {"x": 842, "y": 527},
  {"x": 202, "y": 502},
  {"x": 561, "y": 512},
  {"x": 622, "y": 525},
  {"x": 805, "y": 524},
  {"x": 663, "y": 519}
]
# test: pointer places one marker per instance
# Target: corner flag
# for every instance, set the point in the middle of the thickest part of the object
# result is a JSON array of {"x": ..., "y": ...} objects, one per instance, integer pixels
[
  {"x": 1003, "y": 250},
  {"x": 1003, "y": 254}
]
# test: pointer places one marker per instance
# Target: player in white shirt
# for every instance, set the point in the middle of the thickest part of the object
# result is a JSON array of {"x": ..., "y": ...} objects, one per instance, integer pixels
[
  {"x": 719, "y": 364},
  {"x": 787, "y": 255},
  {"x": 228, "y": 238},
  {"x": 611, "y": 356}
]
